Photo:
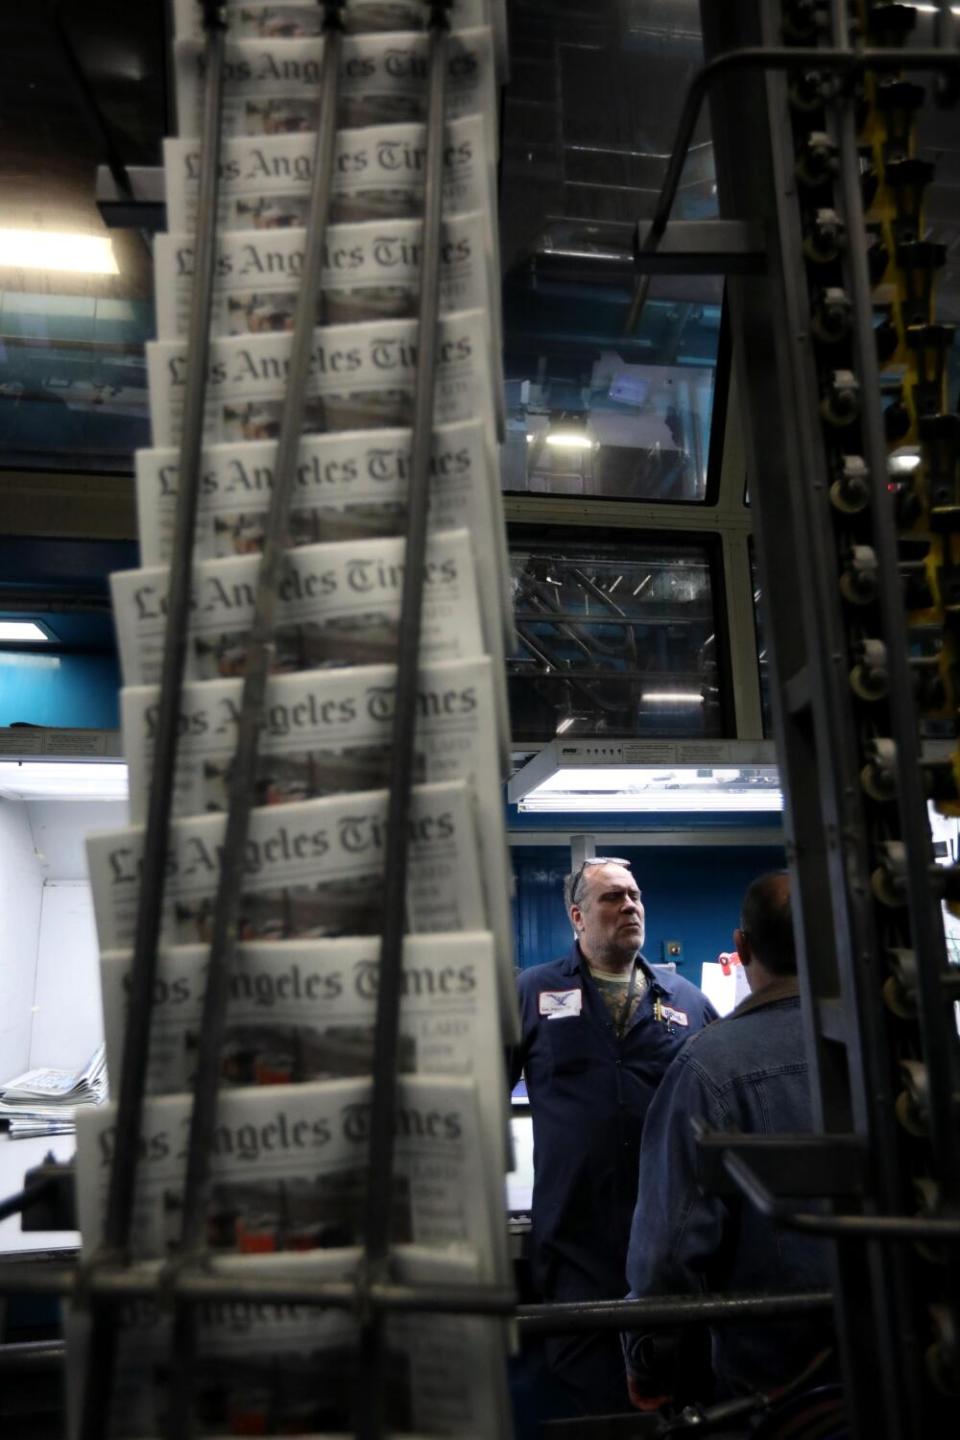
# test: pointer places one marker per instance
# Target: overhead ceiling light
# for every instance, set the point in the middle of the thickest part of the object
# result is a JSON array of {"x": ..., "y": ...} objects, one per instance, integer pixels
[
  {"x": 563, "y": 440},
  {"x": 24, "y": 632},
  {"x": 650, "y": 777},
  {"x": 565, "y": 432},
  {"x": 569, "y": 440},
  {"x": 63, "y": 780},
  {"x": 57, "y": 250},
  {"x": 935, "y": 9},
  {"x": 564, "y": 725},
  {"x": 673, "y": 697},
  {"x": 688, "y": 802}
]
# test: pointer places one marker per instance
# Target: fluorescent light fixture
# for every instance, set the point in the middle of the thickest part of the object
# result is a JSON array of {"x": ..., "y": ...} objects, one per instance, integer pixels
[
  {"x": 23, "y": 632},
  {"x": 57, "y": 250},
  {"x": 935, "y": 9},
  {"x": 650, "y": 789},
  {"x": 62, "y": 780},
  {"x": 650, "y": 777},
  {"x": 569, "y": 440},
  {"x": 562, "y": 433},
  {"x": 688, "y": 802},
  {"x": 672, "y": 697},
  {"x": 565, "y": 440},
  {"x": 564, "y": 725}
]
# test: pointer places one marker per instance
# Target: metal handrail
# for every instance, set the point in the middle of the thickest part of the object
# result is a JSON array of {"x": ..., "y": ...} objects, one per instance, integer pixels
[{"x": 762, "y": 57}]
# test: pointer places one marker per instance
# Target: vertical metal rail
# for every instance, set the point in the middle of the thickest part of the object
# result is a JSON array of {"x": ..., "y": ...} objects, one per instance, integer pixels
[
  {"x": 378, "y": 1202},
  {"x": 101, "y": 1355},
  {"x": 936, "y": 1025},
  {"x": 817, "y": 742},
  {"x": 259, "y": 664},
  {"x": 940, "y": 1046}
]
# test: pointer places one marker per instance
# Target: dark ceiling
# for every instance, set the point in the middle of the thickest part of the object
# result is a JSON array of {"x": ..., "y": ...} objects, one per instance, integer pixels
[{"x": 49, "y": 145}]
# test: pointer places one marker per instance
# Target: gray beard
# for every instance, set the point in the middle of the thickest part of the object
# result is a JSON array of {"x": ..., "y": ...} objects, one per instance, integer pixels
[{"x": 615, "y": 958}]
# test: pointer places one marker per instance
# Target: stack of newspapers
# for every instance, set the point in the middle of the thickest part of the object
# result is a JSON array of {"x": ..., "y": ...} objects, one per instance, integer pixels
[
  {"x": 44, "y": 1102},
  {"x": 289, "y": 1167}
]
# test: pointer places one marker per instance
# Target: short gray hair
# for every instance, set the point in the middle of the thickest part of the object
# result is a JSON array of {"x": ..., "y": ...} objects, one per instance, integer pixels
[{"x": 572, "y": 880}]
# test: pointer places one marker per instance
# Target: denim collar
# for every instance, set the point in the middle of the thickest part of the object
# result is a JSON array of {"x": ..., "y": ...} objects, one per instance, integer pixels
[{"x": 784, "y": 987}]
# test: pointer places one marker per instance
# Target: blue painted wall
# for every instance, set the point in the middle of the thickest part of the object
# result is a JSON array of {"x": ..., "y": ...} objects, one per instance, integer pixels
[
  {"x": 689, "y": 894},
  {"x": 78, "y": 691}
]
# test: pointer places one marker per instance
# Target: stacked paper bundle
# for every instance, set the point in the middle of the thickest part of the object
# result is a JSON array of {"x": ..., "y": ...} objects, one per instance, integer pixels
[
  {"x": 44, "y": 1102},
  {"x": 289, "y": 1164}
]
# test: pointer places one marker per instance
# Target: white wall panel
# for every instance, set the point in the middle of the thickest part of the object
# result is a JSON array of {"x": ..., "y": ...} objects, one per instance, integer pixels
[
  {"x": 20, "y": 895},
  {"x": 67, "y": 1018},
  {"x": 60, "y": 828}
]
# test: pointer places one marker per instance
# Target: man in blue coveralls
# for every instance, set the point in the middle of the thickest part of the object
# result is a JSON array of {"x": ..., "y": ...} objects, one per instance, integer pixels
[{"x": 599, "y": 1030}]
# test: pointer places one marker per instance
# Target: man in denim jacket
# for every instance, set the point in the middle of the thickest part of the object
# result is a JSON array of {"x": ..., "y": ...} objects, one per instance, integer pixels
[{"x": 746, "y": 1073}]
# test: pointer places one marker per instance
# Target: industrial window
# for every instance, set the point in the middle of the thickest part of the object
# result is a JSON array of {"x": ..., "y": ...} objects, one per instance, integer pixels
[
  {"x": 588, "y": 123},
  {"x": 615, "y": 639},
  {"x": 763, "y": 664},
  {"x": 609, "y": 419}
]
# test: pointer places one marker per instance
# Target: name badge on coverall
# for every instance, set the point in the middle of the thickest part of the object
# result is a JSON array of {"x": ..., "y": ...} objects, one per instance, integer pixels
[{"x": 560, "y": 1004}]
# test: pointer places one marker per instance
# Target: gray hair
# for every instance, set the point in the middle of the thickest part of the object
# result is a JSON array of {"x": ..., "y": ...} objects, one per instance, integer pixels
[{"x": 572, "y": 881}]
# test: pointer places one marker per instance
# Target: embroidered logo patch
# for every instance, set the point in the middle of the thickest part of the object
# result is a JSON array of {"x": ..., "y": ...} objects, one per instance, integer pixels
[
  {"x": 561, "y": 1004},
  {"x": 679, "y": 1017}
]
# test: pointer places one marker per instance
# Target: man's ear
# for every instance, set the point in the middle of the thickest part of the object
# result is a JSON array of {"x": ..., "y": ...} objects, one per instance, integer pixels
[
  {"x": 575, "y": 917},
  {"x": 742, "y": 946}
]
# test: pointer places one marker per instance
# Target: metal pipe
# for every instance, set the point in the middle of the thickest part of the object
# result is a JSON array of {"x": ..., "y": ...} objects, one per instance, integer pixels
[
  {"x": 762, "y": 57},
  {"x": 260, "y": 658},
  {"x": 196, "y": 1285},
  {"x": 565, "y": 1319},
  {"x": 378, "y": 1200},
  {"x": 30, "y": 1356},
  {"x": 101, "y": 1353},
  {"x": 145, "y": 1280},
  {"x": 866, "y": 1227}
]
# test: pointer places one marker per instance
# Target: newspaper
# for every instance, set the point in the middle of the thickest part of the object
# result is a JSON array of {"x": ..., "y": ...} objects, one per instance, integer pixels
[
  {"x": 52, "y": 1087},
  {"x": 300, "y": 19},
  {"x": 310, "y": 870},
  {"x": 289, "y": 1170},
  {"x": 272, "y": 85},
  {"x": 371, "y": 272},
  {"x": 303, "y": 18},
  {"x": 43, "y": 1102},
  {"x": 378, "y": 174},
  {"x": 301, "y": 1011},
  {"x": 338, "y": 605},
  {"x": 361, "y": 378},
  {"x": 348, "y": 486},
  {"x": 323, "y": 733},
  {"x": 328, "y": 733},
  {"x": 268, "y": 1368}
]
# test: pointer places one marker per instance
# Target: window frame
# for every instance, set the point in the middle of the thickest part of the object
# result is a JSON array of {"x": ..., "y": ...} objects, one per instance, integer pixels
[{"x": 708, "y": 541}]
